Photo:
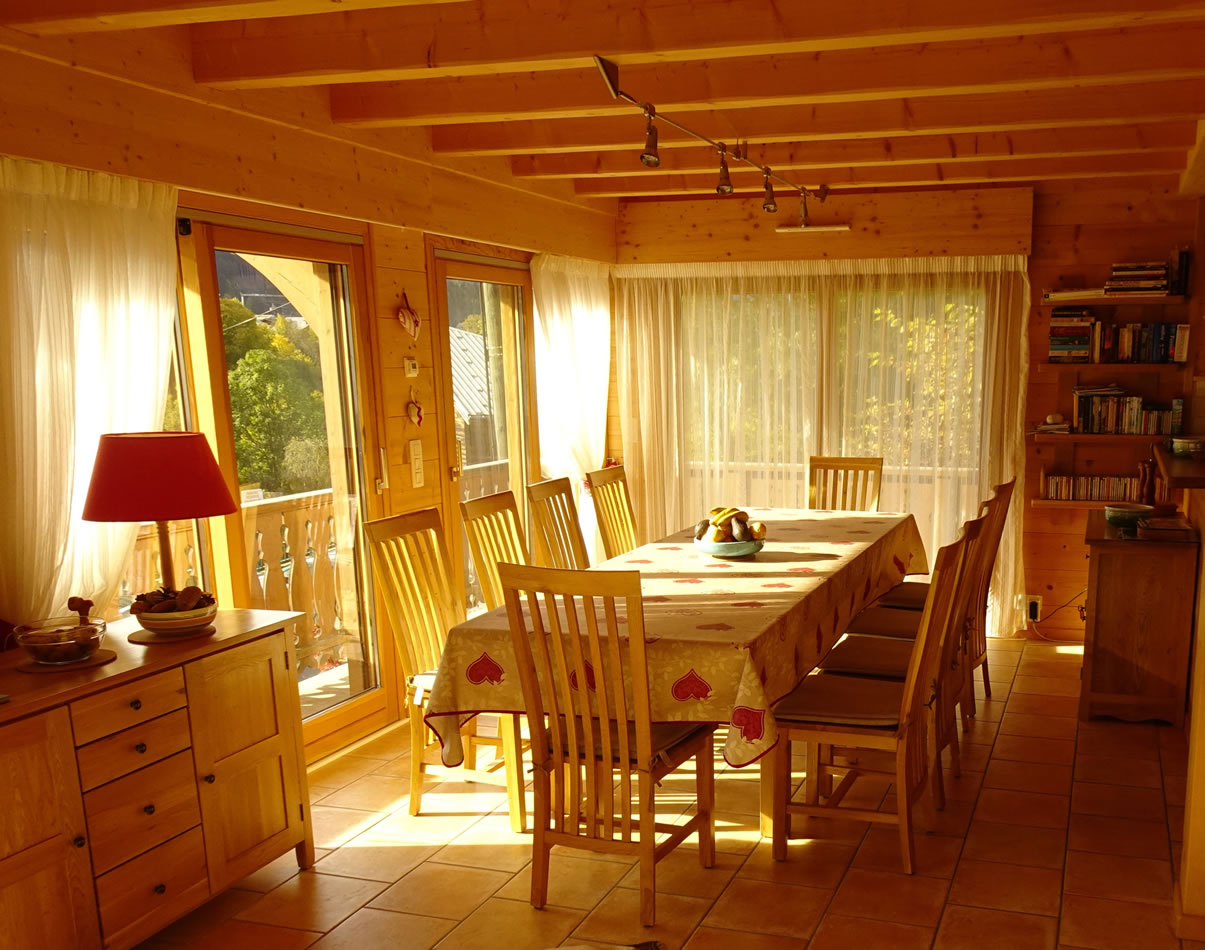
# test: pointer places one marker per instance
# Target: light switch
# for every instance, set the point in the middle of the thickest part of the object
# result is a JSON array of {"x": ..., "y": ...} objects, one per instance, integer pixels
[
  {"x": 416, "y": 463},
  {"x": 411, "y": 365}
]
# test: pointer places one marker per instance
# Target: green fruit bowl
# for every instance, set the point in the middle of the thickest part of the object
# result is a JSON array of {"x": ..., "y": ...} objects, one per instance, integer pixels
[
  {"x": 730, "y": 548},
  {"x": 1125, "y": 514}
]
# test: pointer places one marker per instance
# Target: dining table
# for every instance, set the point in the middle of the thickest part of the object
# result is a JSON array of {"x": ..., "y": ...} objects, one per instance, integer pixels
[{"x": 727, "y": 638}]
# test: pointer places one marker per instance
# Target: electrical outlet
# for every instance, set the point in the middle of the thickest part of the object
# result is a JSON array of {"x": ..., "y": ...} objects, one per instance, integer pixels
[{"x": 1033, "y": 606}]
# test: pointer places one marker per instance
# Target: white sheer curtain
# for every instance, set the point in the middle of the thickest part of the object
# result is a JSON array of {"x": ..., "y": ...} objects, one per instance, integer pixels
[
  {"x": 731, "y": 375},
  {"x": 87, "y": 289},
  {"x": 573, "y": 346}
]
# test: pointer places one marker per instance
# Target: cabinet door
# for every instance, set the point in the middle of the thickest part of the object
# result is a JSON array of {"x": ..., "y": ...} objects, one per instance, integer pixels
[
  {"x": 46, "y": 895},
  {"x": 244, "y": 713}
]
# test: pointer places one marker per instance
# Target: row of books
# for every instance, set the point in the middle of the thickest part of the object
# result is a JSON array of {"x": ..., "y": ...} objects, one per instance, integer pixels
[
  {"x": 1077, "y": 337},
  {"x": 1108, "y": 410},
  {"x": 1089, "y": 487},
  {"x": 1138, "y": 277}
]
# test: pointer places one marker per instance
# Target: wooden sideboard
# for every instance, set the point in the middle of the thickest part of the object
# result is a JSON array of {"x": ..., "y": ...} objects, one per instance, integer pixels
[
  {"x": 135, "y": 791},
  {"x": 1141, "y": 602}
]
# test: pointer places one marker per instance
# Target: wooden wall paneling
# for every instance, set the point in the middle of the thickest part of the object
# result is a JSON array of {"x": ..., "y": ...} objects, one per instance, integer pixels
[{"x": 892, "y": 224}]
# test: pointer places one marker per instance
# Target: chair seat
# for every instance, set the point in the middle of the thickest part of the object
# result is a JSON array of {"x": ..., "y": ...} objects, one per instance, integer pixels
[
  {"x": 666, "y": 736},
  {"x": 865, "y": 655},
  {"x": 886, "y": 622},
  {"x": 905, "y": 597},
  {"x": 843, "y": 700}
]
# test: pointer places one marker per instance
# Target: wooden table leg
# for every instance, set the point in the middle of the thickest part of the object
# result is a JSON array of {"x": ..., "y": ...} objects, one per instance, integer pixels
[
  {"x": 767, "y": 793},
  {"x": 512, "y": 757}
]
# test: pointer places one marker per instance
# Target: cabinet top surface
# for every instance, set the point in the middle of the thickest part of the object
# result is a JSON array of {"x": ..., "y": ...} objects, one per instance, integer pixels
[
  {"x": 1099, "y": 532},
  {"x": 33, "y": 692}
]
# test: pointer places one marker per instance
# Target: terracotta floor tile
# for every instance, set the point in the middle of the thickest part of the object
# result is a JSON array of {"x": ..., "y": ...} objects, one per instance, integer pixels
[
  {"x": 384, "y": 928},
  {"x": 936, "y": 855},
  {"x": 785, "y": 910},
  {"x": 1007, "y": 887},
  {"x": 974, "y": 757},
  {"x": 1003, "y": 658},
  {"x": 1008, "y": 644},
  {"x": 1115, "y": 925},
  {"x": 211, "y": 915},
  {"x": 976, "y": 928},
  {"x": 712, "y": 938},
  {"x": 515, "y": 925},
  {"x": 1046, "y": 685},
  {"x": 992, "y": 709},
  {"x": 386, "y": 744},
  {"x": 998, "y": 692},
  {"x": 965, "y": 787},
  {"x": 1175, "y": 787},
  {"x": 1137, "y": 745},
  {"x": 1124, "y": 836},
  {"x": 373, "y": 856},
  {"x": 1028, "y": 777},
  {"x": 427, "y": 827},
  {"x": 954, "y": 819},
  {"x": 312, "y": 901},
  {"x": 1038, "y": 648},
  {"x": 1175, "y": 822},
  {"x": 1015, "y": 844},
  {"x": 340, "y": 771},
  {"x": 441, "y": 890},
  {"x": 572, "y": 882},
  {"x": 900, "y": 898},
  {"x": 734, "y": 834},
  {"x": 616, "y": 920},
  {"x": 238, "y": 935},
  {"x": 981, "y": 732},
  {"x": 809, "y": 861},
  {"x": 1118, "y": 878},
  {"x": 1033, "y": 704},
  {"x": 839, "y": 830},
  {"x": 1112, "y": 770},
  {"x": 1118, "y": 801},
  {"x": 1028, "y": 749},
  {"x": 1022, "y": 808},
  {"x": 842, "y": 933},
  {"x": 1068, "y": 668},
  {"x": 334, "y": 827},
  {"x": 458, "y": 797},
  {"x": 488, "y": 844},
  {"x": 275, "y": 872},
  {"x": 1037, "y": 726},
  {"x": 373, "y": 792},
  {"x": 679, "y": 872}
]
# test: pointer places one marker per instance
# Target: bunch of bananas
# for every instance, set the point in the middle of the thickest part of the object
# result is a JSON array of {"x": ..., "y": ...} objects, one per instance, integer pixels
[{"x": 729, "y": 524}]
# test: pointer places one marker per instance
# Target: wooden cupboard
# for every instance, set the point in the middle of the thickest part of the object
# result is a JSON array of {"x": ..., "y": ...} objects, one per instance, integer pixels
[{"x": 136, "y": 790}]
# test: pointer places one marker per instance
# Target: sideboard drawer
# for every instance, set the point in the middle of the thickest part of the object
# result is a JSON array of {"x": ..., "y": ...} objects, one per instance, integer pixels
[
  {"x": 144, "y": 895},
  {"x": 141, "y": 810},
  {"x": 123, "y": 752},
  {"x": 124, "y": 706}
]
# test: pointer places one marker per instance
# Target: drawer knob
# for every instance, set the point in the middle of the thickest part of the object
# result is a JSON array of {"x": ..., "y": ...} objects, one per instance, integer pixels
[
  {"x": 140, "y": 748},
  {"x": 160, "y": 888},
  {"x": 135, "y": 704},
  {"x": 149, "y": 809},
  {"x": 211, "y": 778},
  {"x": 79, "y": 841}
]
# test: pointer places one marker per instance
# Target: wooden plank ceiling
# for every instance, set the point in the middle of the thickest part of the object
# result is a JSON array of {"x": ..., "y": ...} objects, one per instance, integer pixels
[{"x": 853, "y": 93}]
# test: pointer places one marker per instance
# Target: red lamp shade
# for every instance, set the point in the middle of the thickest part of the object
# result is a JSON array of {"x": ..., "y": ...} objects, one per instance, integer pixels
[{"x": 155, "y": 476}]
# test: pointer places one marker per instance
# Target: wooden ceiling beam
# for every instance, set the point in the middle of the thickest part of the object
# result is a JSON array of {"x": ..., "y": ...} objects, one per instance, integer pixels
[
  {"x": 47, "y": 17},
  {"x": 859, "y": 153},
  {"x": 491, "y": 37},
  {"x": 912, "y": 176},
  {"x": 1015, "y": 64},
  {"x": 944, "y": 115}
]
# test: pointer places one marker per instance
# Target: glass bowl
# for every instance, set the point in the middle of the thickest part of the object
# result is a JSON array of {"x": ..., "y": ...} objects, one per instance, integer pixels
[{"x": 61, "y": 641}]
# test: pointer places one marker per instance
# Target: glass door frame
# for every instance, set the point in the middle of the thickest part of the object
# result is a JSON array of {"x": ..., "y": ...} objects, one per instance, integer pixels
[
  {"x": 205, "y": 352},
  {"x": 448, "y": 268}
]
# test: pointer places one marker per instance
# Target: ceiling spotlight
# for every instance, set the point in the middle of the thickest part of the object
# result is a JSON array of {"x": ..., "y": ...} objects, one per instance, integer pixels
[
  {"x": 649, "y": 156},
  {"x": 805, "y": 224},
  {"x": 768, "y": 205},
  {"x": 724, "y": 185}
]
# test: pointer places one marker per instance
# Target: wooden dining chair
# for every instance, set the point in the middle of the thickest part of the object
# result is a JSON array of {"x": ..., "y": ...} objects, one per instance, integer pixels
[
  {"x": 613, "y": 506},
  {"x": 586, "y": 688},
  {"x": 412, "y": 568},
  {"x": 558, "y": 536},
  {"x": 844, "y": 484},
  {"x": 872, "y": 714},
  {"x": 495, "y": 535}
]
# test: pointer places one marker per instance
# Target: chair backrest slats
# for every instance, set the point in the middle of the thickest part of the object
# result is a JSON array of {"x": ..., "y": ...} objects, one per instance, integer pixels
[
  {"x": 953, "y": 677},
  {"x": 410, "y": 559},
  {"x": 613, "y": 506},
  {"x": 558, "y": 536},
  {"x": 844, "y": 484},
  {"x": 585, "y": 682},
  {"x": 495, "y": 535},
  {"x": 996, "y": 508}
]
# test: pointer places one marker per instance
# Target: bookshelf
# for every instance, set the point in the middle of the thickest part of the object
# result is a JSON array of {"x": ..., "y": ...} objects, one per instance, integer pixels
[
  {"x": 1117, "y": 300},
  {"x": 1120, "y": 369},
  {"x": 1052, "y": 503},
  {"x": 1095, "y": 438}
]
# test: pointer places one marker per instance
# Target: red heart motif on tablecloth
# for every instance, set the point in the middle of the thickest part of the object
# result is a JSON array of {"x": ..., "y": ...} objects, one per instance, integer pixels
[
  {"x": 780, "y": 584},
  {"x": 749, "y": 603},
  {"x": 801, "y": 570},
  {"x": 823, "y": 511},
  {"x": 573, "y": 680},
  {"x": 690, "y": 686},
  {"x": 751, "y": 722},
  {"x": 657, "y": 599},
  {"x": 719, "y": 565},
  {"x": 843, "y": 542},
  {"x": 484, "y": 669},
  {"x": 714, "y": 626},
  {"x": 859, "y": 532},
  {"x": 899, "y": 565},
  {"x": 670, "y": 547},
  {"x": 638, "y": 560},
  {"x": 689, "y": 580}
]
